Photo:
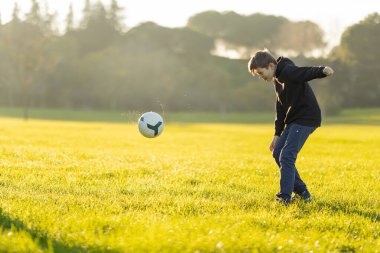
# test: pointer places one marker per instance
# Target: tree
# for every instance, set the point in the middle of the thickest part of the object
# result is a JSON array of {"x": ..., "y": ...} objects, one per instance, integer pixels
[
  {"x": 86, "y": 13},
  {"x": 258, "y": 31},
  {"x": 98, "y": 33},
  {"x": 15, "y": 13},
  {"x": 359, "y": 50},
  {"x": 26, "y": 46},
  {"x": 43, "y": 21},
  {"x": 115, "y": 16},
  {"x": 364, "y": 35},
  {"x": 301, "y": 37},
  {"x": 70, "y": 19},
  {"x": 34, "y": 15}
]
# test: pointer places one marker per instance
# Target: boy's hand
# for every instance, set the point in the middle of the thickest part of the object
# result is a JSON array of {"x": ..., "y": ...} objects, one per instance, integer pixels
[
  {"x": 328, "y": 71},
  {"x": 273, "y": 144}
]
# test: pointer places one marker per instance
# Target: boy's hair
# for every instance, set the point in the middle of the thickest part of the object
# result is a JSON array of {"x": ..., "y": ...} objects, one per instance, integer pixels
[{"x": 261, "y": 59}]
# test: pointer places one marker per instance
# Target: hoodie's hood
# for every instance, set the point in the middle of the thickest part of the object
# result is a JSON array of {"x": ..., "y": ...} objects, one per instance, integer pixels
[{"x": 282, "y": 62}]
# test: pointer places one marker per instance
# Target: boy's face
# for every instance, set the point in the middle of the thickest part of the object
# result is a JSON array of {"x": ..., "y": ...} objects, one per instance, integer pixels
[{"x": 265, "y": 73}]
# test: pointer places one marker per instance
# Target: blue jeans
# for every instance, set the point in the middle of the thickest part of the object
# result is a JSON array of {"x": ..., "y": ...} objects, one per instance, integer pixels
[{"x": 285, "y": 153}]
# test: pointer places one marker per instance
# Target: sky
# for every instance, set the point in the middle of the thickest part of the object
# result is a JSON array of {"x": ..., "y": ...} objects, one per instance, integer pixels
[{"x": 333, "y": 16}]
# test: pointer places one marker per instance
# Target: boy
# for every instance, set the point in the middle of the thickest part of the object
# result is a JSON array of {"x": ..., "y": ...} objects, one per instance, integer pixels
[{"x": 297, "y": 116}]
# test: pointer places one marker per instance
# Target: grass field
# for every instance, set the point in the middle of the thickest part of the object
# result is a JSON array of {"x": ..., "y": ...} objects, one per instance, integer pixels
[
  {"x": 352, "y": 116},
  {"x": 101, "y": 187}
]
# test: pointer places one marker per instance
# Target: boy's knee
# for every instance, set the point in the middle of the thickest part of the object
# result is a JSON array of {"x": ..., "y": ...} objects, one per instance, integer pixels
[{"x": 287, "y": 157}]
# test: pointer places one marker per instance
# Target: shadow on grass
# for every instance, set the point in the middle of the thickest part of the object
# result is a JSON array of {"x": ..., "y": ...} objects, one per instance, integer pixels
[
  {"x": 42, "y": 239},
  {"x": 344, "y": 208}
]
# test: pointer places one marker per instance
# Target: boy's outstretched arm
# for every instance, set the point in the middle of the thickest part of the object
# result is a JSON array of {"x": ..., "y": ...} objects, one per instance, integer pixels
[{"x": 305, "y": 74}]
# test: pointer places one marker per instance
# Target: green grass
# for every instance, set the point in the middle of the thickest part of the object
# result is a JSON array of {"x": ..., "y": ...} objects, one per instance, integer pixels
[
  {"x": 100, "y": 187},
  {"x": 357, "y": 116},
  {"x": 132, "y": 116},
  {"x": 351, "y": 116}
]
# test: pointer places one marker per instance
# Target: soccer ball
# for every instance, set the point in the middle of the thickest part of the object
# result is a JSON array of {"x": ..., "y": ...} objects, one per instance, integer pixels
[{"x": 151, "y": 124}]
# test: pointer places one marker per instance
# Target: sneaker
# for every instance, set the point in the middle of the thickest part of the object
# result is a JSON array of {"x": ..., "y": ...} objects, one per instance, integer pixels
[
  {"x": 305, "y": 196},
  {"x": 283, "y": 201}
]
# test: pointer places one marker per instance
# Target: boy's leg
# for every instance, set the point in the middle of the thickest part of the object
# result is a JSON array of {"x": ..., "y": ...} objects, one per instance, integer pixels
[
  {"x": 296, "y": 138},
  {"x": 299, "y": 185},
  {"x": 276, "y": 155}
]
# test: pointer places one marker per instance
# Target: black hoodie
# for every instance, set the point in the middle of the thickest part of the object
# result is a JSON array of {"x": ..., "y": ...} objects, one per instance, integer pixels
[{"x": 296, "y": 102}]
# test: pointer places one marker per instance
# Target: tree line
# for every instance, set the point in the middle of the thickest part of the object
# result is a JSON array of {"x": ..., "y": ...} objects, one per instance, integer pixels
[{"x": 100, "y": 64}]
